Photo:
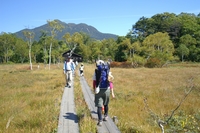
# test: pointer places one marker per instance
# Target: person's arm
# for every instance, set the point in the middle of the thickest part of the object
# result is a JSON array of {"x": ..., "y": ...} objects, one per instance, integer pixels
[
  {"x": 112, "y": 92},
  {"x": 64, "y": 67},
  {"x": 72, "y": 66},
  {"x": 94, "y": 84},
  {"x": 94, "y": 81}
]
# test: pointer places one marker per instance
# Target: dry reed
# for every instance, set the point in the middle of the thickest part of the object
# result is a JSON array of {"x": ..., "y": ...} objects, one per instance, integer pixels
[
  {"x": 162, "y": 87},
  {"x": 29, "y": 99},
  {"x": 86, "y": 123}
]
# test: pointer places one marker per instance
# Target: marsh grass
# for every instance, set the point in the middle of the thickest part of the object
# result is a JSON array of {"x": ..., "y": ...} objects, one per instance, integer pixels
[
  {"x": 86, "y": 123},
  {"x": 29, "y": 100},
  {"x": 162, "y": 87}
]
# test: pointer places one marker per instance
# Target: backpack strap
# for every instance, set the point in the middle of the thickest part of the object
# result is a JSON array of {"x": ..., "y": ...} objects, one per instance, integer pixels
[
  {"x": 65, "y": 66},
  {"x": 98, "y": 75}
]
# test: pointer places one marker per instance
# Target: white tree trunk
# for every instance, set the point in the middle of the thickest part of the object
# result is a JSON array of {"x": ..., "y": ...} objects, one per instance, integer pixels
[
  {"x": 29, "y": 52},
  {"x": 50, "y": 55}
]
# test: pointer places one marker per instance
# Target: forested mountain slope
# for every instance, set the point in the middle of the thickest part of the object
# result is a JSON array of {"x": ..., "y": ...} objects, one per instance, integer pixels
[{"x": 69, "y": 28}]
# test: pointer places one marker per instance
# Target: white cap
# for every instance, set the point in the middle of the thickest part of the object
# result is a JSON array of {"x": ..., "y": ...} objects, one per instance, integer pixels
[{"x": 99, "y": 62}]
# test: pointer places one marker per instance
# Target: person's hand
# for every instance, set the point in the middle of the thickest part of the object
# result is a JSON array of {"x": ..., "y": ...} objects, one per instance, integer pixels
[
  {"x": 113, "y": 95},
  {"x": 63, "y": 72}
]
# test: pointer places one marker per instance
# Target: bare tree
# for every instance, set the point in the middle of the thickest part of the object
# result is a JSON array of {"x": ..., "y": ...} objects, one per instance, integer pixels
[
  {"x": 29, "y": 36},
  {"x": 55, "y": 27},
  {"x": 73, "y": 41},
  {"x": 162, "y": 123}
]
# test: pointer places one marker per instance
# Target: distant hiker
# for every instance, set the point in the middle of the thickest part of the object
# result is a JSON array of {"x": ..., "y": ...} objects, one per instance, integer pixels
[
  {"x": 81, "y": 69},
  {"x": 67, "y": 70},
  {"x": 73, "y": 66},
  {"x": 38, "y": 66},
  {"x": 76, "y": 63},
  {"x": 102, "y": 97}
]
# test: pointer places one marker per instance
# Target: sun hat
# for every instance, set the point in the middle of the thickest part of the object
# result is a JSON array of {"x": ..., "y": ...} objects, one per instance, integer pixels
[{"x": 98, "y": 62}]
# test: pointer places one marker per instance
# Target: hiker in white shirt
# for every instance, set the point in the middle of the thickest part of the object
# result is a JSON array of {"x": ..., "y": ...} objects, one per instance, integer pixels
[
  {"x": 73, "y": 67},
  {"x": 67, "y": 70}
]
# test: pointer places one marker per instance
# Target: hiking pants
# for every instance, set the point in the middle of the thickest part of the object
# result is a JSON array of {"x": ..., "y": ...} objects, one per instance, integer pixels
[{"x": 69, "y": 78}]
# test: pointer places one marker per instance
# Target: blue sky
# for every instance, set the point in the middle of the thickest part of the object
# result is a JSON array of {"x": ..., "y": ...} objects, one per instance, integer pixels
[{"x": 107, "y": 16}]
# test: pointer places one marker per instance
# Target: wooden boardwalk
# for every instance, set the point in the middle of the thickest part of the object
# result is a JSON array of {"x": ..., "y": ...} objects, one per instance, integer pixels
[
  {"x": 108, "y": 126},
  {"x": 68, "y": 120}
]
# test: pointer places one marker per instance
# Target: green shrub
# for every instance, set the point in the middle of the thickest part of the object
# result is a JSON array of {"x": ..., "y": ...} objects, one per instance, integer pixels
[{"x": 183, "y": 122}]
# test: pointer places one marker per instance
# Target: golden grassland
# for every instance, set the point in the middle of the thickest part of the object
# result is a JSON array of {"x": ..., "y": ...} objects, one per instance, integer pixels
[
  {"x": 29, "y": 100},
  {"x": 163, "y": 88},
  {"x": 86, "y": 123}
]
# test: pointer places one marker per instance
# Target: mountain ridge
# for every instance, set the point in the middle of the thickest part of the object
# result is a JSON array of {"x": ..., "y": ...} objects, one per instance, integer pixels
[{"x": 68, "y": 28}]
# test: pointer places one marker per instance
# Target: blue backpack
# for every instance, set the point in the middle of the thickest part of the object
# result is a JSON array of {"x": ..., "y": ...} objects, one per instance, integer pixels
[{"x": 103, "y": 70}]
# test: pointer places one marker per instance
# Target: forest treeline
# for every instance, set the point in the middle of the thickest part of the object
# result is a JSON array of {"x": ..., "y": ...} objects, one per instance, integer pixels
[{"x": 152, "y": 42}]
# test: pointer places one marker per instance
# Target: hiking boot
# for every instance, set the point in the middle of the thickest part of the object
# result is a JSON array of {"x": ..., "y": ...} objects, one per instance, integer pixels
[
  {"x": 100, "y": 123},
  {"x": 105, "y": 118},
  {"x": 66, "y": 85}
]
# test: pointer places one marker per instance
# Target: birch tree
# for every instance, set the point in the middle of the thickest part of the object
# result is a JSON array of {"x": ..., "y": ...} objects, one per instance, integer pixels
[
  {"x": 29, "y": 36},
  {"x": 55, "y": 27},
  {"x": 183, "y": 51},
  {"x": 159, "y": 46},
  {"x": 73, "y": 41}
]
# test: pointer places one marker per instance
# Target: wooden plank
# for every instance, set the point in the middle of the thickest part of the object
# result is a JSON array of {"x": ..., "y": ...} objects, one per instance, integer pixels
[
  {"x": 108, "y": 126},
  {"x": 68, "y": 120}
]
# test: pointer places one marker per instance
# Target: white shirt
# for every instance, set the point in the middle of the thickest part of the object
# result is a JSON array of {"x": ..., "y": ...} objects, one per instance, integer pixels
[
  {"x": 68, "y": 66},
  {"x": 81, "y": 68}
]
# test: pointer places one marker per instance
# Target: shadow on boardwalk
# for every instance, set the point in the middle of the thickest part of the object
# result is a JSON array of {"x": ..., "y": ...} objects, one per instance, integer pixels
[{"x": 68, "y": 120}]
